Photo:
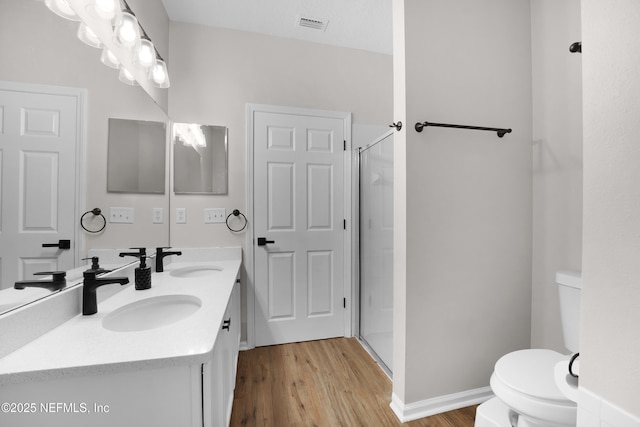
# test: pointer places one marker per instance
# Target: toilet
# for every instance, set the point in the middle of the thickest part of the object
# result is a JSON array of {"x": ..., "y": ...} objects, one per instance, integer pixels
[{"x": 525, "y": 382}]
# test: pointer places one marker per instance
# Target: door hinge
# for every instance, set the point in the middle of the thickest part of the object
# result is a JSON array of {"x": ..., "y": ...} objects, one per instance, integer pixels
[
  {"x": 344, "y": 224},
  {"x": 344, "y": 144},
  {"x": 344, "y": 303}
]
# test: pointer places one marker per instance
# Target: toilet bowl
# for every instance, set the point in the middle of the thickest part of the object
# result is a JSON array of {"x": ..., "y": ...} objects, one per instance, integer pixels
[{"x": 524, "y": 381}]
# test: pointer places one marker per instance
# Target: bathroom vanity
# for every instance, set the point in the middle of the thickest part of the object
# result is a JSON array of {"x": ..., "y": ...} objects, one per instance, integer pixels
[{"x": 165, "y": 356}]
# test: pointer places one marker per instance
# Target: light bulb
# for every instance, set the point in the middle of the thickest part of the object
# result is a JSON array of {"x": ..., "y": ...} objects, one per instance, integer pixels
[
  {"x": 126, "y": 77},
  {"x": 146, "y": 56},
  {"x": 159, "y": 75},
  {"x": 62, "y": 8},
  {"x": 128, "y": 31},
  {"x": 87, "y": 36},
  {"x": 109, "y": 59},
  {"x": 105, "y": 9}
]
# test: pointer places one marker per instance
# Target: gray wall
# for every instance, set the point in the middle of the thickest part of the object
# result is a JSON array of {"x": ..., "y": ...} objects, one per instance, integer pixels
[
  {"x": 610, "y": 342},
  {"x": 557, "y": 161},
  {"x": 463, "y": 218}
]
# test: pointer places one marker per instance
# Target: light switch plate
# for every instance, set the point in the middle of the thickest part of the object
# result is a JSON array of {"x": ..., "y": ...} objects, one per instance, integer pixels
[
  {"x": 121, "y": 215},
  {"x": 181, "y": 215},
  {"x": 214, "y": 215},
  {"x": 158, "y": 215}
]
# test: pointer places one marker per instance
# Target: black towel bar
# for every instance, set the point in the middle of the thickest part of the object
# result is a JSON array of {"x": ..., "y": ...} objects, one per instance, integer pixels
[{"x": 500, "y": 131}]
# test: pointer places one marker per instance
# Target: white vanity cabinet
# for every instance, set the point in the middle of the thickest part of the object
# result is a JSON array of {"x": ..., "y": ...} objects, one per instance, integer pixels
[
  {"x": 164, "y": 391},
  {"x": 219, "y": 375}
]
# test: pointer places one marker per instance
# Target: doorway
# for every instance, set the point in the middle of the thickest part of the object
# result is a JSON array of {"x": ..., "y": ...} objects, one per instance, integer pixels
[
  {"x": 299, "y": 244},
  {"x": 376, "y": 248}
]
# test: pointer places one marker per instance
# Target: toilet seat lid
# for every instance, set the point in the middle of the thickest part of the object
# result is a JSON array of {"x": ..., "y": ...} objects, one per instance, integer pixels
[{"x": 531, "y": 372}]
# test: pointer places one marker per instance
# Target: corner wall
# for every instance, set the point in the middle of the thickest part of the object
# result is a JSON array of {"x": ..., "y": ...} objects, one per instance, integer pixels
[
  {"x": 557, "y": 161},
  {"x": 466, "y": 300},
  {"x": 610, "y": 343}
]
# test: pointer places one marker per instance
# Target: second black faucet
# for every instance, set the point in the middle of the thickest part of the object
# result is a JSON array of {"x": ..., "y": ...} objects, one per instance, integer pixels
[{"x": 160, "y": 254}]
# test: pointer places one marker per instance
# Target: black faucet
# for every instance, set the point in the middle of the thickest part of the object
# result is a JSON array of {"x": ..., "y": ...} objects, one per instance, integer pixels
[
  {"x": 55, "y": 284},
  {"x": 160, "y": 254},
  {"x": 91, "y": 283},
  {"x": 141, "y": 252}
]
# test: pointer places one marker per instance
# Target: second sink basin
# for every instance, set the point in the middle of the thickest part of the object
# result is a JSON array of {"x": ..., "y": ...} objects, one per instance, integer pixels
[
  {"x": 196, "y": 271},
  {"x": 151, "y": 313}
]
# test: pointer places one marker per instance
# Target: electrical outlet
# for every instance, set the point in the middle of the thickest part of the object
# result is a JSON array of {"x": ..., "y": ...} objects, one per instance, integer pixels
[
  {"x": 158, "y": 215},
  {"x": 121, "y": 215},
  {"x": 214, "y": 215},
  {"x": 181, "y": 215}
]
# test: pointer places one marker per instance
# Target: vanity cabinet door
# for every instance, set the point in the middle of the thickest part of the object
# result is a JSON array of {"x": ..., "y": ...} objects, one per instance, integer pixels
[{"x": 219, "y": 375}]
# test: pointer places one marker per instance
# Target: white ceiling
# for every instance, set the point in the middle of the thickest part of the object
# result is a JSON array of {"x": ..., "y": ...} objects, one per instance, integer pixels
[{"x": 358, "y": 24}]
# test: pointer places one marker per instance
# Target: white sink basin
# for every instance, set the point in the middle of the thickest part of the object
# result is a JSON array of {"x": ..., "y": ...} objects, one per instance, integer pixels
[
  {"x": 151, "y": 313},
  {"x": 196, "y": 271}
]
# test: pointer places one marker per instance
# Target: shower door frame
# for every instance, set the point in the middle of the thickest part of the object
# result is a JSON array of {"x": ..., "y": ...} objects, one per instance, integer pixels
[{"x": 356, "y": 320}]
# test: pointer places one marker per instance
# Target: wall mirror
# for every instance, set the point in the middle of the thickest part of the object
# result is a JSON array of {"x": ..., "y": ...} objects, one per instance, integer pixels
[
  {"x": 64, "y": 55},
  {"x": 199, "y": 158},
  {"x": 136, "y": 156}
]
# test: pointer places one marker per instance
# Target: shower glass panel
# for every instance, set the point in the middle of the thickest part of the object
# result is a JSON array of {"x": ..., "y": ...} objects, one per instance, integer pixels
[{"x": 376, "y": 248}]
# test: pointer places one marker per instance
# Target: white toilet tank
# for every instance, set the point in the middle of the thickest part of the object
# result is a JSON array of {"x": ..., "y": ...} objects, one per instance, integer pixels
[{"x": 569, "y": 285}]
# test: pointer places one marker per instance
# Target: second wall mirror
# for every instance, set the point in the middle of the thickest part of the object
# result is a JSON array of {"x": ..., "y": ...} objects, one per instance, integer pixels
[
  {"x": 199, "y": 158},
  {"x": 136, "y": 156}
]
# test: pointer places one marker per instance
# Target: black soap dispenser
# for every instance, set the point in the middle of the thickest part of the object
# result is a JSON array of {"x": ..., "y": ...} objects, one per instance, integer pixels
[
  {"x": 143, "y": 275},
  {"x": 142, "y": 272},
  {"x": 95, "y": 265}
]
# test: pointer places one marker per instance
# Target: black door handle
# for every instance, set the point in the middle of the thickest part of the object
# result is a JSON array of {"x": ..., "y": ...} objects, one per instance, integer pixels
[
  {"x": 263, "y": 241},
  {"x": 62, "y": 244}
]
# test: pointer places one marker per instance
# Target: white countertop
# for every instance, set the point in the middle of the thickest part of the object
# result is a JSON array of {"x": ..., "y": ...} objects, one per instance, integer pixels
[{"x": 82, "y": 346}]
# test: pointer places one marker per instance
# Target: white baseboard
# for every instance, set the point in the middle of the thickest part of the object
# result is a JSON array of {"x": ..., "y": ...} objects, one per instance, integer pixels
[
  {"x": 244, "y": 346},
  {"x": 594, "y": 411},
  {"x": 438, "y": 405}
]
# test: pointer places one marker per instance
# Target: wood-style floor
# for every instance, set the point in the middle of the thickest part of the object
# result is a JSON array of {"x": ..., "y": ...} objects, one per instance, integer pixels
[{"x": 320, "y": 383}]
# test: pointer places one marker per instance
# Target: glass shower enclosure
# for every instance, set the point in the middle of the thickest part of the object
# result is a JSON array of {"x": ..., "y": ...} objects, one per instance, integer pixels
[{"x": 376, "y": 248}]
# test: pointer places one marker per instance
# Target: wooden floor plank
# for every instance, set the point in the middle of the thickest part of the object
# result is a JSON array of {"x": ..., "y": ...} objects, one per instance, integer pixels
[{"x": 320, "y": 383}]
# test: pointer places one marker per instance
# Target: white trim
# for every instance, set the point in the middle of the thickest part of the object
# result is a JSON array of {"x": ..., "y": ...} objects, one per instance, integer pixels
[
  {"x": 438, "y": 405},
  {"x": 594, "y": 411},
  {"x": 249, "y": 255},
  {"x": 81, "y": 119}
]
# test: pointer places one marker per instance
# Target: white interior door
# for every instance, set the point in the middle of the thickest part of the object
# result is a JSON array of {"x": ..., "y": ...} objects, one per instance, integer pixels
[
  {"x": 38, "y": 170},
  {"x": 299, "y": 209}
]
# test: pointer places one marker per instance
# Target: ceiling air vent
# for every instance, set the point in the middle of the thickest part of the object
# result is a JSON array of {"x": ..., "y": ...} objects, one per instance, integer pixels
[{"x": 314, "y": 23}]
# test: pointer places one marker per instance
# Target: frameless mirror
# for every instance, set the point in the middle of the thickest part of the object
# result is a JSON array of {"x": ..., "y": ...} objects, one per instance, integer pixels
[
  {"x": 136, "y": 156},
  {"x": 199, "y": 158},
  {"x": 105, "y": 97}
]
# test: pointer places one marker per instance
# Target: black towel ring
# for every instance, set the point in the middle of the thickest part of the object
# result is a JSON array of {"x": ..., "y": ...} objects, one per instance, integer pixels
[
  {"x": 95, "y": 212},
  {"x": 236, "y": 212}
]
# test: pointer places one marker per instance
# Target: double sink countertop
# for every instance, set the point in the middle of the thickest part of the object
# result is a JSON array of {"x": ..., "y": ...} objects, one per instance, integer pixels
[{"x": 83, "y": 346}]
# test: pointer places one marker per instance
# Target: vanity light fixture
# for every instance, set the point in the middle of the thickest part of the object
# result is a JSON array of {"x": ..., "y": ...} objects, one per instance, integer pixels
[{"x": 112, "y": 26}]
